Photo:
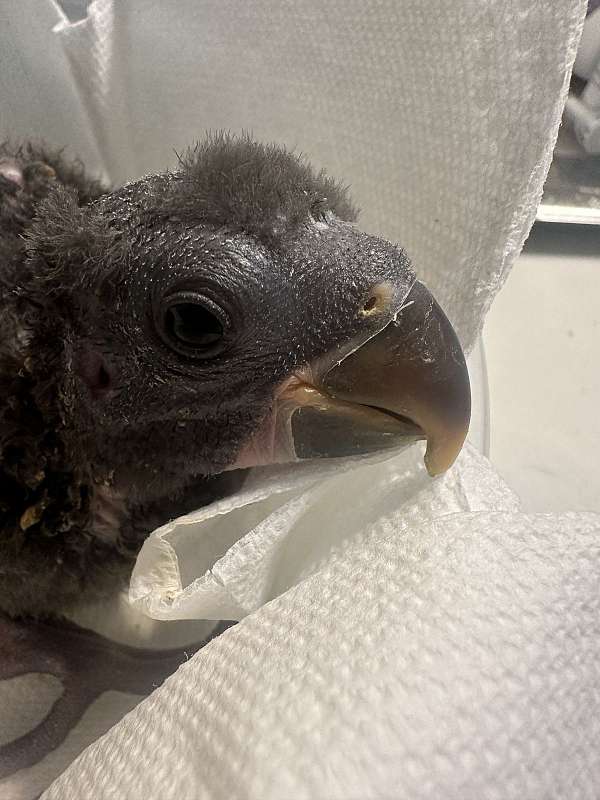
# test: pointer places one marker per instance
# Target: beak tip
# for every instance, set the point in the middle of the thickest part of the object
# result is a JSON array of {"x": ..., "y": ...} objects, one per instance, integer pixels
[
  {"x": 440, "y": 457},
  {"x": 431, "y": 470},
  {"x": 435, "y": 469}
]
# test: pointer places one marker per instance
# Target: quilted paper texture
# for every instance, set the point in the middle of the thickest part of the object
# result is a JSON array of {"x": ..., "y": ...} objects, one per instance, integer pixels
[
  {"x": 227, "y": 559},
  {"x": 460, "y": 660}
]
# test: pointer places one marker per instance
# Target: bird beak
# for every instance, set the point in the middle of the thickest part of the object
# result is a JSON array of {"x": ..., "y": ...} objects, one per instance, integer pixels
[{"x": 408, "y": 381}]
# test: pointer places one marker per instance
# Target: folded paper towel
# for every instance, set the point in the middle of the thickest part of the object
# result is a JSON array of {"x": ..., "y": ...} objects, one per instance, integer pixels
[
  {"x": 388, "y": 642},
  {"x": 436, "y": 652},
  {"x": 228, "y": 559}
]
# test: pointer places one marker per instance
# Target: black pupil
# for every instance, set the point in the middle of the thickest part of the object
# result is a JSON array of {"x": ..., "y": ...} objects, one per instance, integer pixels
[{"x": 193, "y": 324}]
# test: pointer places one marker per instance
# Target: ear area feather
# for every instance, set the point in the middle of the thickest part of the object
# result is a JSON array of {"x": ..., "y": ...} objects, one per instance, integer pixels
[
  {"x": 64, "y": 237},
  {"x": 61, "y": 232}
]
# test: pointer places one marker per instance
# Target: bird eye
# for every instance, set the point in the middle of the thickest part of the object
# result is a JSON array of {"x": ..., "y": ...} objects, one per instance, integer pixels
[{"x": 193, "y": 325}]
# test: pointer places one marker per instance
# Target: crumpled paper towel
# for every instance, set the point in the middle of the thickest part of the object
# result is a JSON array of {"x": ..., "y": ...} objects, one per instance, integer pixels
[
  {"x": 428, "y": 644},
  {"x": 230, "y": 558},
  {"x": 429, "y": 655}
]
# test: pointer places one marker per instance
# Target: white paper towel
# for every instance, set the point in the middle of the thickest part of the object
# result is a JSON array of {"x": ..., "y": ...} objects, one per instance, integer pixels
[
  {"x": 228, "y": 559},
  {"x": 397, "y": 658},
  {"x": 455, "y": 658}
]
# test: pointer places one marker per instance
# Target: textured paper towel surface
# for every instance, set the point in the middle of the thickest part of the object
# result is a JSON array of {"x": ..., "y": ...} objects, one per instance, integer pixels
[
  {"x": 458, "y": 658},
  {"x": 228, "y": 559}
]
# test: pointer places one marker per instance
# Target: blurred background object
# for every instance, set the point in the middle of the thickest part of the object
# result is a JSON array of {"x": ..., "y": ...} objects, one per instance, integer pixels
[
  {"x": 542, "y": 342},
  {"x": 572, "y": 191}
]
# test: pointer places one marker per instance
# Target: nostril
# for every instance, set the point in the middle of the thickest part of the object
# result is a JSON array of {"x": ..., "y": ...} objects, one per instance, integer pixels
[
  {"x": 378, "y": 300},
  {"x": 95, "y": 373}
]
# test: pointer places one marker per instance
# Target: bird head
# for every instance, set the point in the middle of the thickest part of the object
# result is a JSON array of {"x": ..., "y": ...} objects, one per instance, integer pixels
[{"x": 231, "y": 314}]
